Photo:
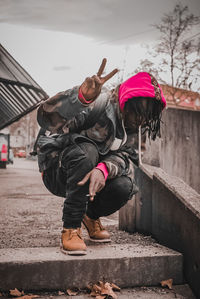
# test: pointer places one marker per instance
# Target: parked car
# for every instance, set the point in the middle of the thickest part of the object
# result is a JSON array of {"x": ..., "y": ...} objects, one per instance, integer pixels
[{"x": 21, "y": 154}]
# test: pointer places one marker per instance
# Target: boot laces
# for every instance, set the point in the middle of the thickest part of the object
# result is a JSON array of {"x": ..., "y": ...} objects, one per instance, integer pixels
[
  {"x": 73, "y": 233},
  {"x": 97, "y": 225}
]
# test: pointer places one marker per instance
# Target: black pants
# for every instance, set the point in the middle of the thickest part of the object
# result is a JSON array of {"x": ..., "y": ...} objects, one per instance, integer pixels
[{"x": 62, "y": 178}]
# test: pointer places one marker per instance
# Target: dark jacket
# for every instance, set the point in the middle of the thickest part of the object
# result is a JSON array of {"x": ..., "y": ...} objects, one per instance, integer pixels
[{"x": 100, "y": 121}]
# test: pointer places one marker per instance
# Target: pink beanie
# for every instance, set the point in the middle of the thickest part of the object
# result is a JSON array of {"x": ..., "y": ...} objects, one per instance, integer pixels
[{"x": 141, "y": 85}]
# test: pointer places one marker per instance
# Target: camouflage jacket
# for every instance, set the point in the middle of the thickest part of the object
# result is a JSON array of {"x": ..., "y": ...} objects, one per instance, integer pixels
[{"x": 100, "y": 121}]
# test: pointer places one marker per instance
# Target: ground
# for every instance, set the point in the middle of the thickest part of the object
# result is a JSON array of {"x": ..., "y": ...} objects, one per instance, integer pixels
[{"x": 31, "y": 215}]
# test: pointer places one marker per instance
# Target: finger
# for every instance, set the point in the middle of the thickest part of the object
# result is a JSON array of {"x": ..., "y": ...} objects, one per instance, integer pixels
[
  {"x": 102, "y": 67},
  {"x": 97, "y": 80},
  {"x": 110, "y": 75},
  {"x": 92, "y": 188},
  {"x": 100, "y": 187},
  {"x": 89, "y": 82},
  {"x": 92, "y": 197},
  {"x": 84, "y": 180}
]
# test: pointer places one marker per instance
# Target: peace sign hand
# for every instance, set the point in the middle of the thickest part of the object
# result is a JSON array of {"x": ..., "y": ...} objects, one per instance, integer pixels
[{"x": 91, "y": 87}]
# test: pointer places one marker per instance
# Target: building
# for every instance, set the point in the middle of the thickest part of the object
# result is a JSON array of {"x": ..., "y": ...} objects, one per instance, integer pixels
[{"x": 20, "y": 95}]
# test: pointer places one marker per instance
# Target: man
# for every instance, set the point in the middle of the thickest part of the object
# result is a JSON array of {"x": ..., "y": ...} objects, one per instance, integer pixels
[{"x": 89, "y": 158}]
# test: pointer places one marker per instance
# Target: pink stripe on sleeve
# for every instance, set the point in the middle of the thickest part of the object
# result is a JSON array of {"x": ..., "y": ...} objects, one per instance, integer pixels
[{"x": 102, "y": 166}]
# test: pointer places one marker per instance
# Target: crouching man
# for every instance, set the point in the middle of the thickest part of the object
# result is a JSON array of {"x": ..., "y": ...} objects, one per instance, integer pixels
[{"x": 88, "y": 157}]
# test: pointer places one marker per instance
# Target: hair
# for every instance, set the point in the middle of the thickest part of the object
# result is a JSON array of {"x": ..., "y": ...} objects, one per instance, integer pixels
[{"x": 152, "y": 114}]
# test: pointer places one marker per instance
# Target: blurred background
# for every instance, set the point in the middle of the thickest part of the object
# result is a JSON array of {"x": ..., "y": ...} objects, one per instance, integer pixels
[{"x": 51, "y": 46}]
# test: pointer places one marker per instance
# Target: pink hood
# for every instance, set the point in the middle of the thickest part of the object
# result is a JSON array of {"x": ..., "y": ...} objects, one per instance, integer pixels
[{"x": 141, "y": 85}]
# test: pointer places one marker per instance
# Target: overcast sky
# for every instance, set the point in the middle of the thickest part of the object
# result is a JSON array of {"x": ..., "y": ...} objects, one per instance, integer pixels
[{"x": 60, "y": 42}]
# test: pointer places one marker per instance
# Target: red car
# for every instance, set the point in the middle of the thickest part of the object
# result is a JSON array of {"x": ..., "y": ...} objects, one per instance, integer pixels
[{"x": 21, "y": 154}]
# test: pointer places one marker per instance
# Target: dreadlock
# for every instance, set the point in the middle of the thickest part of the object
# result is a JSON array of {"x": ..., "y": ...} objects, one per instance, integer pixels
[{"x": 151, "y": 112}]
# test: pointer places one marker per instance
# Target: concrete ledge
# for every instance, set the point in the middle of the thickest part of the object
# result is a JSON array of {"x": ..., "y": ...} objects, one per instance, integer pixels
[
  {"x": 187, "y": 195},
  {"x": 176, "y": 222},
  {"x": 169, "y": 209},
  {"x": 143, "y": 200},
  {"x": 126, "y": 265}
]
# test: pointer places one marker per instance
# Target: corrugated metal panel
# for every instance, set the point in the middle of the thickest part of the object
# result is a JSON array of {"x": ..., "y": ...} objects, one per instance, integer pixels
[{"x": 19, "y": 93}]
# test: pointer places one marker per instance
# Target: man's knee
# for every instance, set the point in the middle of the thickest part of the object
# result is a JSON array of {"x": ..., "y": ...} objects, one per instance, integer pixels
[
  {"x": 114, "y": 195},
  {"x": 122, "y": 187}
]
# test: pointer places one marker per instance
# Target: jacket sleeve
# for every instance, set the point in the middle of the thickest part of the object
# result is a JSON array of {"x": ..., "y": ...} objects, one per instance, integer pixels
[
  {"x": 63, "y": 111},
  {"x": 122, "y": 162}
]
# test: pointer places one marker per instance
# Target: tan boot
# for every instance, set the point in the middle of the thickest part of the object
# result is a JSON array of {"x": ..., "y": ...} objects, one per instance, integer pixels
[
  {"x": 96, "y": 231},
  {"x": 72, "y": 242}
]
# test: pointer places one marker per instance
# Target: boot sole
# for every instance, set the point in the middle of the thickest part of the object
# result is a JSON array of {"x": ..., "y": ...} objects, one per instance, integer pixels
[
  {"x": 72, "y": 252},
  {"x": 100, "y": 241}
]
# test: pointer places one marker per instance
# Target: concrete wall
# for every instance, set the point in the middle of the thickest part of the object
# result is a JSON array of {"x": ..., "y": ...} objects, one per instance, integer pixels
[
  {"x": 169, "y": 210},
  {"x": 178, "y": 150}
]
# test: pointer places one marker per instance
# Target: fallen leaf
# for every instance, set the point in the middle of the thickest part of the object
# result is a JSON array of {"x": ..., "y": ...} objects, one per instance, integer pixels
[
  {"x": 101, "y": 283},
  {"x": 71, "y": 292},
  {"x": 102, "y": 290},
  {"x": 15, "y": 293},
  {"x": 96, "y": 288},
  {"x": 167, "y": 283},
  {"x": 60, "y": 293},
  {"x": 1, "y": 294},
  {"x": 115, "y": 287},
  {"x": 107, "y": 290}
]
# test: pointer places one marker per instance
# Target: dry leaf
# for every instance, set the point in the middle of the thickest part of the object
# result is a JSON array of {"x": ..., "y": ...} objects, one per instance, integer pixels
[
  {"x": 115, "y": 287},
  {"x": 96, "y": 288},
  {"x": 15, "y": 293},
  {"x": 71, "y": 292},
  {"x": 60, "y": 293},
  {"x": 107, "y": 290},
  {"x": 1, "y": 295},
  {"x": 167, "y": 283},
  {"x": 101, "y": 283},
  {"x": 102, "y": 290}
]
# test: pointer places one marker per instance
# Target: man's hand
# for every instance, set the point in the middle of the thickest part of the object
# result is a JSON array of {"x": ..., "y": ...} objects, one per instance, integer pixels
[
  {"x": 97, "y": 182},
  {"x": 91, "y": 87}
]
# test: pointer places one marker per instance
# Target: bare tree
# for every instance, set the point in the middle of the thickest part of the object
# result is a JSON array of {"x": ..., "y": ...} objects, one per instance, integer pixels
[
  {"x": 177, "y": 49},
  {"x": 188, "y": 65}
]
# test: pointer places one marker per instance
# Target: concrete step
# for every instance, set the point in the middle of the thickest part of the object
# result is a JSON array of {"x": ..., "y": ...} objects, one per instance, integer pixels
[
  {"x": 178, "y": 291},
  {"x": 126, "y": 265}
]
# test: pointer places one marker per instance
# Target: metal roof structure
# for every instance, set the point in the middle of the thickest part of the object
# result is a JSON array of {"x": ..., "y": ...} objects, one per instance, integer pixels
[{"x": 19, "y": 93}]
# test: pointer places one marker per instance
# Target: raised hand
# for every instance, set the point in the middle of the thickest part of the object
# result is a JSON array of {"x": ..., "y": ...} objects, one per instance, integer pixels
[
  {"x": 97, "y": 182},
  {"x": 91, "y": 87}
]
